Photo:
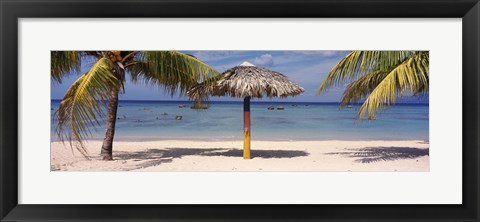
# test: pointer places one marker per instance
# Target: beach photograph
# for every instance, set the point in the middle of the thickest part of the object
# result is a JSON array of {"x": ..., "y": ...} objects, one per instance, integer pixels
[{"x": 240, "y": 111}]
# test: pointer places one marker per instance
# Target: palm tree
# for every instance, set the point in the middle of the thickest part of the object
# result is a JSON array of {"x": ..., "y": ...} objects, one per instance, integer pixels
[
  {"x": 84, "y": 103},
  {"x": 378, "y": 77}
]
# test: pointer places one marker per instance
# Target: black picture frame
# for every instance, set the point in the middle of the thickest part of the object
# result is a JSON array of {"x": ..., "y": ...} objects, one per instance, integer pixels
[{"x": 12, "y": 10}]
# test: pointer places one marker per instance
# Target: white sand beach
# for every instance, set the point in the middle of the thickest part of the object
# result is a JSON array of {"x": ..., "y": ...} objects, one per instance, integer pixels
[{"x": 186, "y": 155}]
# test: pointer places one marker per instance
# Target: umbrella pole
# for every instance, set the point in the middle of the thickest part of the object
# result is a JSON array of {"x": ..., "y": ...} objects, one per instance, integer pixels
[{"x": 246, "y": 128}]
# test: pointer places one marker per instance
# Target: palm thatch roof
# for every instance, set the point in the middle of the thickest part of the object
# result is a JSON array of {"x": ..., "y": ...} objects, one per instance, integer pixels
[{"x": 248, "y": 80}]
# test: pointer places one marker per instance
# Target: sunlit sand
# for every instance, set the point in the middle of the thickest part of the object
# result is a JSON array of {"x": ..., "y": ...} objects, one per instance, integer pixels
[{"x": 187, "y": 155}]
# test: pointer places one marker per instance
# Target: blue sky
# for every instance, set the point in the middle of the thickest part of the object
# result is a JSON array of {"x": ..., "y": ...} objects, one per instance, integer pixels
[{"x": 307, "y": 68}]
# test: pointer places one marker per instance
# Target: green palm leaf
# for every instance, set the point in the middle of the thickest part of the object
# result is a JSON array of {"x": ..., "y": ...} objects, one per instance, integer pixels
[
  {"x": 360, "y": 88},
  {"x": 64, "y": 62},
  {"x": 174, "y": 71},
  {"x": 358, "y": 63},
  {"x": 81, "y": 107},
  {"x": 411, "y": 75},
  {"x": 379, "y": 77}
]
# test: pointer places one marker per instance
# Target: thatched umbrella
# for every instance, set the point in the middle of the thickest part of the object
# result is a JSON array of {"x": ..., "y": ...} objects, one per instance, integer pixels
[{"x": 248, "y": 81}]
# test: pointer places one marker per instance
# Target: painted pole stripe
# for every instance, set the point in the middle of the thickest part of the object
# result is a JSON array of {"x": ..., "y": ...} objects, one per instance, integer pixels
[
  {"x": 246, "y": 145},
  {"x": 246, "y": 104},
  {"x": 246, "y": 128}
]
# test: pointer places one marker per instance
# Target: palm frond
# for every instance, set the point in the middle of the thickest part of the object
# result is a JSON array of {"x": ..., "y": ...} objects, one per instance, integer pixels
[
  {"x": 412, "y": 75},
  {"x": 202, "y": 92},
  {"x": 82, "y": 106},
  {"x": 64, "y": 62},
  {"x": 358, "y": 63},
  {"x": 360, "y": 88},
  {"x": 172, "y": 70}
]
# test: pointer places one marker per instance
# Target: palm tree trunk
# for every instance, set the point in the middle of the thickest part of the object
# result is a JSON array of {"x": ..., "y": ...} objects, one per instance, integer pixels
[{"x": 107, "y": 146}]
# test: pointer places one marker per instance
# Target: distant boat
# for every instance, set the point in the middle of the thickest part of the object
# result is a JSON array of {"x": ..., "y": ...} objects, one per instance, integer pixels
[
  {"x": 349, "y": 106},
  {"x": 280, "y": 108}
]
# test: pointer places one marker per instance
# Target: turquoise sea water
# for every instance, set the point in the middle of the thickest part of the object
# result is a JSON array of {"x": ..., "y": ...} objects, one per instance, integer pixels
[{"x": 144, "y": 120}]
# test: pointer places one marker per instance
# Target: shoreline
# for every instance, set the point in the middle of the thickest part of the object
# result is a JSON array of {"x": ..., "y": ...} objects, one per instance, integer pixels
[
  {"x": 268, "y": 156},
  {"x": 232, "y": 139}
]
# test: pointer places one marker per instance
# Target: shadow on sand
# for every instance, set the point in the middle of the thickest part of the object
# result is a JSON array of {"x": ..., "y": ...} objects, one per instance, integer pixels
[
  {"x": 375, "y": 154},
  {"x": 155, "y": 157}
]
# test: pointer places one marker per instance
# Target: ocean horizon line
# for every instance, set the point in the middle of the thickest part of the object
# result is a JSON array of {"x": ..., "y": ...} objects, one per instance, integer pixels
[{"x": 257, "y": 102}]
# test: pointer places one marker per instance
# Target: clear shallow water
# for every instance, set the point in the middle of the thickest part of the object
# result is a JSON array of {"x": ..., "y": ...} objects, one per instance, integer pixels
[{"x": 224, "y": 120}]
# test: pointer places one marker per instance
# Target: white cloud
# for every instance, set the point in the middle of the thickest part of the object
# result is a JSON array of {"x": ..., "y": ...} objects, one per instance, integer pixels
[
  {"x": 209, "y": 56},
  {"x": 326, "y": 53},
  {"x": 264, "y": 60},
  {"x": 293, "y": 57}
]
